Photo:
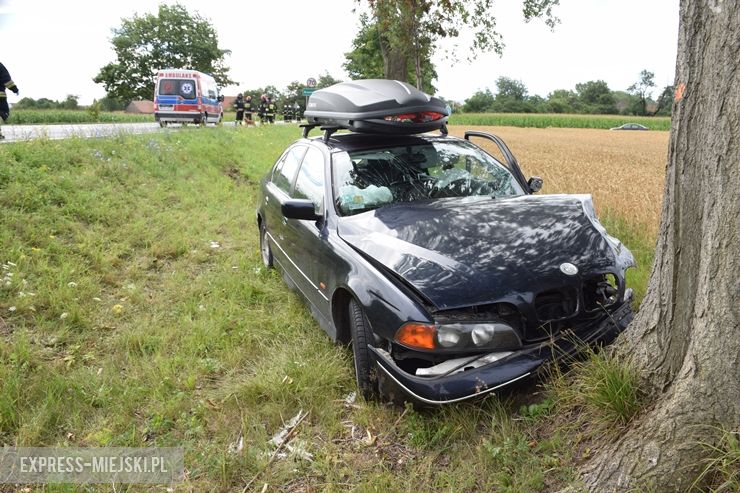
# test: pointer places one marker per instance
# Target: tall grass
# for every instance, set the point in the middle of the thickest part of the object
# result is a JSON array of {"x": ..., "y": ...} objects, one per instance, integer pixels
[
  {"x": 545, "y": 120},
  {"x": 39, "y": 117}
]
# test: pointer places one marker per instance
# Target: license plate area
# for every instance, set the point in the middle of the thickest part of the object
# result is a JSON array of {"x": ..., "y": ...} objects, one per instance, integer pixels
[{"x": 166, "y": 107}]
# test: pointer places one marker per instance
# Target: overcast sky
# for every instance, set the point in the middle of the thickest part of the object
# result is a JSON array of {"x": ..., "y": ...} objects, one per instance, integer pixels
[{"x": 53, "y": 48}]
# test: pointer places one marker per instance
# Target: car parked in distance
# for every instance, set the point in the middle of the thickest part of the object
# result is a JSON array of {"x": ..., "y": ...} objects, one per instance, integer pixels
[
  {"x": 435, "y": 260},
  {"x": 630, "y": 126}
]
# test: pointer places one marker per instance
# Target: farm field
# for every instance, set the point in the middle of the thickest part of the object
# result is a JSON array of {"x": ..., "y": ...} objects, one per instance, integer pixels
[
  {"x": 558, "y": 120},
  {"x": 49, "y": 117},
  {"x": 135, "y": 311}
]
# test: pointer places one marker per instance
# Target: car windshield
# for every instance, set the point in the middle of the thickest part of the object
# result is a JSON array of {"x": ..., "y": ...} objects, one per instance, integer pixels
[{"x": 368, "y": 179}]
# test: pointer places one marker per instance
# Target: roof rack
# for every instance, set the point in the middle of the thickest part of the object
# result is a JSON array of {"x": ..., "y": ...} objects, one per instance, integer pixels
[{"x": 327, "y": 129}]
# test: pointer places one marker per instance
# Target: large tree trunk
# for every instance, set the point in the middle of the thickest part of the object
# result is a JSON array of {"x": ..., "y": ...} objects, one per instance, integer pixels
[
  {"x": 395, "y": 61},
  {"x": 686, "y": 337}
]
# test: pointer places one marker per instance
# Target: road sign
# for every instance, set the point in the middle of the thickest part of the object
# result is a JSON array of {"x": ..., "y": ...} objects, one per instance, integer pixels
[
  {"x": 311, "y": 82},
  {"x": 307, "y": 91}
]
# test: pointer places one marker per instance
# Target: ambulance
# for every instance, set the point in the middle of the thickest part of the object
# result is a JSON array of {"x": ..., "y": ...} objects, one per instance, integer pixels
[{"x": 186, "y": 96}]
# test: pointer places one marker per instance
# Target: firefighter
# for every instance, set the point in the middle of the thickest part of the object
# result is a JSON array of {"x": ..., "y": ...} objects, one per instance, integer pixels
[
  {"x": 5, "y": 83},
  {"x": 287, "y": 113},
  {"x": 297, "y": 112},
  {"x": 271, "y": 110},
  {"x": 262, "y": 110},
  {"x": 248, "y": 109},
  {"x": 239, "y": 107}
]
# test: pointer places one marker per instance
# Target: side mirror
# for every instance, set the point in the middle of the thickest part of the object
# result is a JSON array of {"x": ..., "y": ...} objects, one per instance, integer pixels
[
  {"x": 220, "y": 98},
  {"x": 299, "y": 209},
  {"x": 535, "y": 184}
]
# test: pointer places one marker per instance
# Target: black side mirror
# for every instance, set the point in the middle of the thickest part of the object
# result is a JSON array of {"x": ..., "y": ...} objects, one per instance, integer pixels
[
  {"x": 299, "y": 209},
  {"x": 535, "y": 184},
  {"x": 221, "y": 99}
]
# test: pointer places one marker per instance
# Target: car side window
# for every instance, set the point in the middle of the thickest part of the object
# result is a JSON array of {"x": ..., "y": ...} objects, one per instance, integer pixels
[
  {"x": 283, "y": 178},
  {"x": 310, "y": 181}
]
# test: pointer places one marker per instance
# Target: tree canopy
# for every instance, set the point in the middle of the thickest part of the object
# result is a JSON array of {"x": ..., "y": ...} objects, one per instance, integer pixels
[
  {"x": 365, "y": 61},
  {"x": 174, "y": 38},
  {"x": 409, "y": 29}
]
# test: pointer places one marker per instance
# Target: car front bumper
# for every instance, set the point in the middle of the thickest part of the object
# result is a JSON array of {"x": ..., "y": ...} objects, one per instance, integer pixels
[{"x": 485, "y": 379}]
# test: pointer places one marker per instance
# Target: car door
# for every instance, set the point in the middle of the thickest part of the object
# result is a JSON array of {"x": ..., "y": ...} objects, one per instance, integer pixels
[
  {"x": 277, "y": 190},
  {"x": 308, "y": 239}
]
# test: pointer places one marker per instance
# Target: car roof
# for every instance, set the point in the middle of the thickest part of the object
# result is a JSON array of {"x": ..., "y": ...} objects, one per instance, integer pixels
[{"x": 354, "y": 141}]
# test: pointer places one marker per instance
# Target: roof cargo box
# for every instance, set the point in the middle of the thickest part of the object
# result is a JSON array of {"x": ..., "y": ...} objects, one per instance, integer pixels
[{"x": 377, "y": 106}]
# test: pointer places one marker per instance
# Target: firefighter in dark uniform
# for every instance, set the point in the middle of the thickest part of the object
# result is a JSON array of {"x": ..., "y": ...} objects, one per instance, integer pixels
[
  {"x": 248, "y": 109},
  {"x": 297, "y": 112},
  {"x": 262, "y": 110},
  {"x": 5, "y": 83},
  {"x": 287, "y": 112},
  {"x": 239, "y": 107},
  {"x": 271, "y": 110}
]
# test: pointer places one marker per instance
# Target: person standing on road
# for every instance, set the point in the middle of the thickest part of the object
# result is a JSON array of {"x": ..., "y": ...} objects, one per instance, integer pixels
[
  {"x": 271, "y": 110},
  {"x": 287, "y": 112},
  {"x": 239, "y": 107},
  {"x": 248, "y": 109},
  {"x": 5, "y": 83},
  {"x": 262, "y": 110}
]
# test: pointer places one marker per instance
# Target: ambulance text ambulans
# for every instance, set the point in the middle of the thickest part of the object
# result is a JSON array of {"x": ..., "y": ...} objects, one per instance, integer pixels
[{"x": 186, "y": 96}]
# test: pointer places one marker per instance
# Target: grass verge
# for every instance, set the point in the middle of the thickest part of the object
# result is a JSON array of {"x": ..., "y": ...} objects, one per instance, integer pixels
[{"x": 134, "y": 311}]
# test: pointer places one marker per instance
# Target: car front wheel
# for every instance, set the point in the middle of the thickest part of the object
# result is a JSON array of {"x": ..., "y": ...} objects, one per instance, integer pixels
[
  {"x": 265, "y": 246},
  {"x": 361, "y": 338}
]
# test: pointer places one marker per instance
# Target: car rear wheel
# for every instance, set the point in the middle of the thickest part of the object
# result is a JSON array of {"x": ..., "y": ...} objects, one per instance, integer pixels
[
  {"x": 361, "y": 338},
  {"x": 265, "y": 246}
]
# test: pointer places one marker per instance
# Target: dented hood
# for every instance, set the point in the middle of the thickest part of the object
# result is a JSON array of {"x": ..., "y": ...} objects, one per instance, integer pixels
[{"x": 476, "y": 250}]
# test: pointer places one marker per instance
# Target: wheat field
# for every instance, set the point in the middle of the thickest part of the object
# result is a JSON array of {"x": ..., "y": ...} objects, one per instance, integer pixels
[{"x": 624, "y": 171}]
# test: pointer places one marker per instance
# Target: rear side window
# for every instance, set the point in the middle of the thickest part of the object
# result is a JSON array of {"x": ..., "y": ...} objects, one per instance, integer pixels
[
  {"x": 177, "y": 87},
  {"x": 286, "y": 170},
  {"x": 310, "y": 181}
]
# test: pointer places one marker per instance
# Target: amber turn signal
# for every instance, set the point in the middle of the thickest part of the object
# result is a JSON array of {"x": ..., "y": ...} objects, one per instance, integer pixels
[{"x": 416, "y": 335}]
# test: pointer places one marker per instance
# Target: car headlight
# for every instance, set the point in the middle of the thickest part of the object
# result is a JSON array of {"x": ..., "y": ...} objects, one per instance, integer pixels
[{"x": 458, "y": 336}]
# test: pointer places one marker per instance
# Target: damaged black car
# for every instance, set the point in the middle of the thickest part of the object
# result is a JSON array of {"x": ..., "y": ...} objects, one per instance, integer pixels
[{"x": 434, "y": 259}]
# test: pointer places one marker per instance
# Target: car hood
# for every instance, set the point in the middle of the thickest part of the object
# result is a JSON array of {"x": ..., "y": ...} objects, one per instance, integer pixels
[{"x": 469, "y": 251}]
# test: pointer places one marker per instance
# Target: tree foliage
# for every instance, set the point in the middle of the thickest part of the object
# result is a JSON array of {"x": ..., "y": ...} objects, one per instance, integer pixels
[
  {"x": 365, "y": 61},
  {"x": 596, "y": 97},
  {"x": 409, "y": 29},
  {"x": 174, "y": 38},
  {"x": 71, "y": 102},
  {"x": 642, "y": 90}
]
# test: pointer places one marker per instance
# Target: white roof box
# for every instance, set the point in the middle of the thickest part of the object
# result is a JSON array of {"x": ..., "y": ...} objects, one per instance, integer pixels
[{"x": 377, "y": 106}]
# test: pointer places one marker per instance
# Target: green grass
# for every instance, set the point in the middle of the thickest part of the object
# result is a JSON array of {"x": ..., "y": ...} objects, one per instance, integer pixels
[
  {"x": 39, "y": 117},
  {"x": 122, "y": 324},
  {"x": 544, "y": 120}
]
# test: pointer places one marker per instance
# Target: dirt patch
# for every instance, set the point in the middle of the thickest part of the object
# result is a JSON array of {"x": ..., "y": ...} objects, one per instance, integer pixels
[
  {"x": 237, "y": 176},
  {"x": 4, "y": 328}
]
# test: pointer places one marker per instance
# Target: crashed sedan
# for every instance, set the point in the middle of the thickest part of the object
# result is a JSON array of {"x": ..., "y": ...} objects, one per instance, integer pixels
[{"x": 435, "y": 260}]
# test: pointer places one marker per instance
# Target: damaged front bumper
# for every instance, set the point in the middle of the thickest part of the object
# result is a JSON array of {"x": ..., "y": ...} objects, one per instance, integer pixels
[{"x": 462, "y": 385}]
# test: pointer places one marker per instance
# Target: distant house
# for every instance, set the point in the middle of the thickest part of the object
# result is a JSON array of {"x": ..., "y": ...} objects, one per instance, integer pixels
[
  {"x": 229, "y": 102},
  {"x": 145, "y": 107}
]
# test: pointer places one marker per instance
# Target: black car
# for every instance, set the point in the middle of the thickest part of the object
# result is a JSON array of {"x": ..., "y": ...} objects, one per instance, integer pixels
[{"x": 431, "y": 257}]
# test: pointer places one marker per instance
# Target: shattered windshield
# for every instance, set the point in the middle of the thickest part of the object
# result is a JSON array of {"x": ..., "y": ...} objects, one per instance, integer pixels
[{"x": 365, "y": 180}]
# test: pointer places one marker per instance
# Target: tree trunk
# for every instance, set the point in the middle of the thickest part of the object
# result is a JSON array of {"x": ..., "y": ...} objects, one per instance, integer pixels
[
  {"x": 686, "y": 336},
  {"x": 395, "y": 61}
]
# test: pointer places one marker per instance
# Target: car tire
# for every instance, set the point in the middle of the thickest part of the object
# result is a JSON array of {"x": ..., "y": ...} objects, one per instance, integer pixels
[
  {"x": 361, "y": 338},
  {"x": 162, "y": 124},
  {"x": 265, "y": 250}
]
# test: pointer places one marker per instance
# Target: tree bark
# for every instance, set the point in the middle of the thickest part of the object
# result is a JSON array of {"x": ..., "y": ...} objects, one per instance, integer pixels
[{"x": 686, "y": 336}]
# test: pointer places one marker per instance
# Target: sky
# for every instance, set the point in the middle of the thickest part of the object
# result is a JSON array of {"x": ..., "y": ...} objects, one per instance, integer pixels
[{"x": 53, "y": 48}]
